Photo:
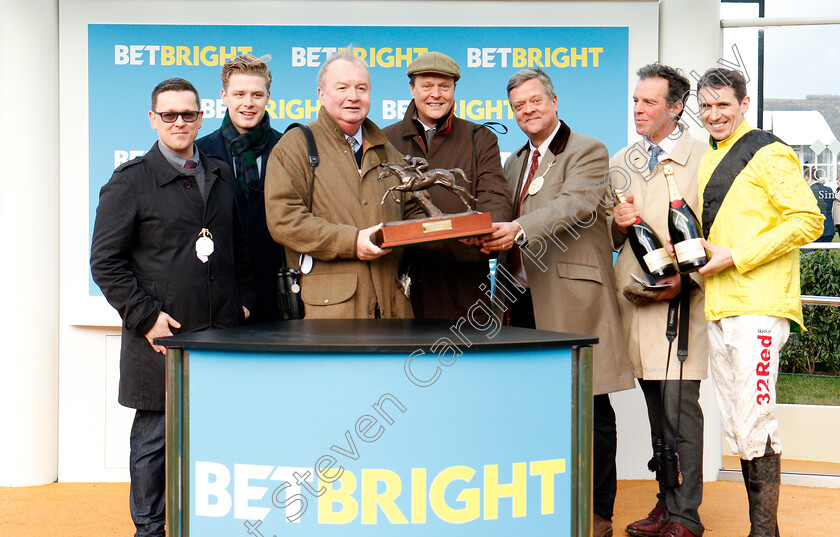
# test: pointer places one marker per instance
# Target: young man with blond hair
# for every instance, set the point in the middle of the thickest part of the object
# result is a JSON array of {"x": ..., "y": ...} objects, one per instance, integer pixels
[{"x": 244, "y": 141}]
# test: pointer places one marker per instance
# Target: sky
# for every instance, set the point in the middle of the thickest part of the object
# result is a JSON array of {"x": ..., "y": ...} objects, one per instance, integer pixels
[{"x": 800, "y": 60}]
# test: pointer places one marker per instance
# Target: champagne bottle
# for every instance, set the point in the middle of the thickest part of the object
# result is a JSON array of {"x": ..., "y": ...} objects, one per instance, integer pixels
[
  {"x": 684, "y": 228},
  {"x": 647, "y": 247}
]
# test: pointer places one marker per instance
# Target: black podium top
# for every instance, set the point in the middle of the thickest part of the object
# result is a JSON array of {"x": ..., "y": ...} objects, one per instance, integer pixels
[{"x": 367, "y": 335}]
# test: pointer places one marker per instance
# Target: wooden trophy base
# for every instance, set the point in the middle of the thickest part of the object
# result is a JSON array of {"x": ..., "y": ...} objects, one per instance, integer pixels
[{"x": 450, "y": 227}]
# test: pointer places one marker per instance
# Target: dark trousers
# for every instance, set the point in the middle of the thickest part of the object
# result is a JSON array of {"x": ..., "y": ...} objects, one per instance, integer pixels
[
  {"x": 668, "y": 406},
  {"x": 603, "y": 457},
  {"x": 521, "y": 312},
  {"x": 147, "y": 466}
]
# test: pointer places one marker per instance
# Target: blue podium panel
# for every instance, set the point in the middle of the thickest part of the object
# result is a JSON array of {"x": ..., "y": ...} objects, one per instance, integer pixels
[
  {"x": 378, "y": 427},
  {"x": 379, "y": 444}
]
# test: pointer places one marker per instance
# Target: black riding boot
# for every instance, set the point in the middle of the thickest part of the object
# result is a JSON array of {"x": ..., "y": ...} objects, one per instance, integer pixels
[
  {"x": 745, "y": 471},
  {"x": 764, "y": 477}
]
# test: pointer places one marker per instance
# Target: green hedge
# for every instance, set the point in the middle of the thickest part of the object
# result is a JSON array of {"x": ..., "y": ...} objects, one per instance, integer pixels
[{"x": 818, "y": 349}]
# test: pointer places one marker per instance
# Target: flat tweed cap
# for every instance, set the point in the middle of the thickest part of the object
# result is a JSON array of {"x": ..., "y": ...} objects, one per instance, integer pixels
[{"x": 434, "y": 63}]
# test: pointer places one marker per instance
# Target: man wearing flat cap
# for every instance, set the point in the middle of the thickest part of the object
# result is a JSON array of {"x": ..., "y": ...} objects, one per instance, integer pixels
[{"x": 446, "y": 278}]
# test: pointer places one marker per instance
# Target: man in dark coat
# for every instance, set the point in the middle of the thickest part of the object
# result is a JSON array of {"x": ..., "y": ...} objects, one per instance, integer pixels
[
  {"x": 446, "y": 278},
  {"x": 244, "y": 142},
  {"x": 169, "y": 254},
  {"x": 825, "y": 199}
]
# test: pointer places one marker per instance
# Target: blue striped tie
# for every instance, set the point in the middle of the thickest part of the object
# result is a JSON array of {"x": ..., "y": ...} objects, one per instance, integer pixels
[{"x": 655, "y": 151}]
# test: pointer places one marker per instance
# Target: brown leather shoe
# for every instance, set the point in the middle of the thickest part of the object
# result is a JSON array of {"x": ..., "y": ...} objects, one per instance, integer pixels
[
  {"x": 652, "y": 526},
  {"x": 601, "y": 527},
  {"x": 674, "y": 529}
]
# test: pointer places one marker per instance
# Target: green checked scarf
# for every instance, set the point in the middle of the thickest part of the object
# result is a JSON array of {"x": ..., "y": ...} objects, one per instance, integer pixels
[{"x": 245, "y": 148}]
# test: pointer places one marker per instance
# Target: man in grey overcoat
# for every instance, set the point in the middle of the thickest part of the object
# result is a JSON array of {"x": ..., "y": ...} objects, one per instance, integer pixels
[{"x": 557, "y": 249}]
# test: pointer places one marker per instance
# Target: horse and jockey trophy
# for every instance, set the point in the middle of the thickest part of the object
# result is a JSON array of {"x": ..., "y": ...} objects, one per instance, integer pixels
[{"x": 414, "y": 175}]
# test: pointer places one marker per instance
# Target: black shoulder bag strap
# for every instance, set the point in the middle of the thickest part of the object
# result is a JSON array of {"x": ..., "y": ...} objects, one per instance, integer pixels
[
  {"x": 678, "y": 315},
  {"x": 728, "y": 169},
  {"x": 494, "y": 126},
  {"x": 313, "y": 156},
  {"x": 288, "y": 289}
]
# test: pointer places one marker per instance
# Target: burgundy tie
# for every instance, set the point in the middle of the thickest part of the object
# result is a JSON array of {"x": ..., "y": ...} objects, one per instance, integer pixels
[
  {"x": 190, "y": 165},
  {"x": 535, "y": 163},
  {"x": 515, "y": 254}
]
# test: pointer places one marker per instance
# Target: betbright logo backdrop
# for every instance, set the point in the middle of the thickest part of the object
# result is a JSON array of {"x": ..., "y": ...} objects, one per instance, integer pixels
[{"x": 588, "y": 66}]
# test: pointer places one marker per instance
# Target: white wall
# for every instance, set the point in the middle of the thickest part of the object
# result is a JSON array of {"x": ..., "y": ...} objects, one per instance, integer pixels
[
  {"x": 93, "y": 428},
  {"x": 29, "y": 243}
]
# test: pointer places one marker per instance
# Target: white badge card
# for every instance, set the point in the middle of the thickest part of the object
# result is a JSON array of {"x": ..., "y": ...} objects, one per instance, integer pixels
[
  {"x": 536, "y": 185},
  {"x": 204, "y": 245},
  {"x": 305, "y": 263},
  {"x": 537, "y": 182}
]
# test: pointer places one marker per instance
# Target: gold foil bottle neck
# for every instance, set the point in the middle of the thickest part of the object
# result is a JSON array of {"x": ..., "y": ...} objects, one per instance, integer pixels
[{"x": 619, "y": 195}]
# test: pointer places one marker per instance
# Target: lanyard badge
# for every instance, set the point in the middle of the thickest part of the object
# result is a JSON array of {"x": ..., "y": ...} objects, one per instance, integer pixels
[{"x": 204, "y": 245}]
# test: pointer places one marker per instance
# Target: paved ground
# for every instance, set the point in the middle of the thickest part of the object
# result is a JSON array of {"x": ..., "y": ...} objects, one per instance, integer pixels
[{"x": 101, "y": 510}]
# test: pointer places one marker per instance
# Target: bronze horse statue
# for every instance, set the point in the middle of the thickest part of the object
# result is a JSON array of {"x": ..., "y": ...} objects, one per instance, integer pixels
[{"x": 415, "y": 176}]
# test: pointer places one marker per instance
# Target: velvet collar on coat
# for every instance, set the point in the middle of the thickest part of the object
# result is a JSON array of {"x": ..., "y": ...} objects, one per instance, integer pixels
[{"x": 558, "y": 143}]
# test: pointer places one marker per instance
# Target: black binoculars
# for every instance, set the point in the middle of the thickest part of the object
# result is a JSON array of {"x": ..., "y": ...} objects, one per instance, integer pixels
[
  {"x": 666, "y": 464},
  {"x": 288, "y": 294}
]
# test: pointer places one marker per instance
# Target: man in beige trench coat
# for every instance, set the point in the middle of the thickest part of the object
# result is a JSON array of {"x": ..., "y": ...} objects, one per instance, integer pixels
[
  {"x": 658, "y": 102},
  {"x": 345, "y": 275},
  {"x": 565, "y": 260}
]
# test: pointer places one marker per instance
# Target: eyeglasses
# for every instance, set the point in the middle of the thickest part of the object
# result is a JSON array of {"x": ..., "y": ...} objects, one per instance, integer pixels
[{"x": 172, "y": 117}]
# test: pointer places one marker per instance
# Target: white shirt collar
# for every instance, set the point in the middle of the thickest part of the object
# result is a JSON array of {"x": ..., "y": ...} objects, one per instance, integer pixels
[
  {"x": 667, "y": 144},
  {"x": 357, "y": 136},
  {"x": 420, "y": 121}
]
